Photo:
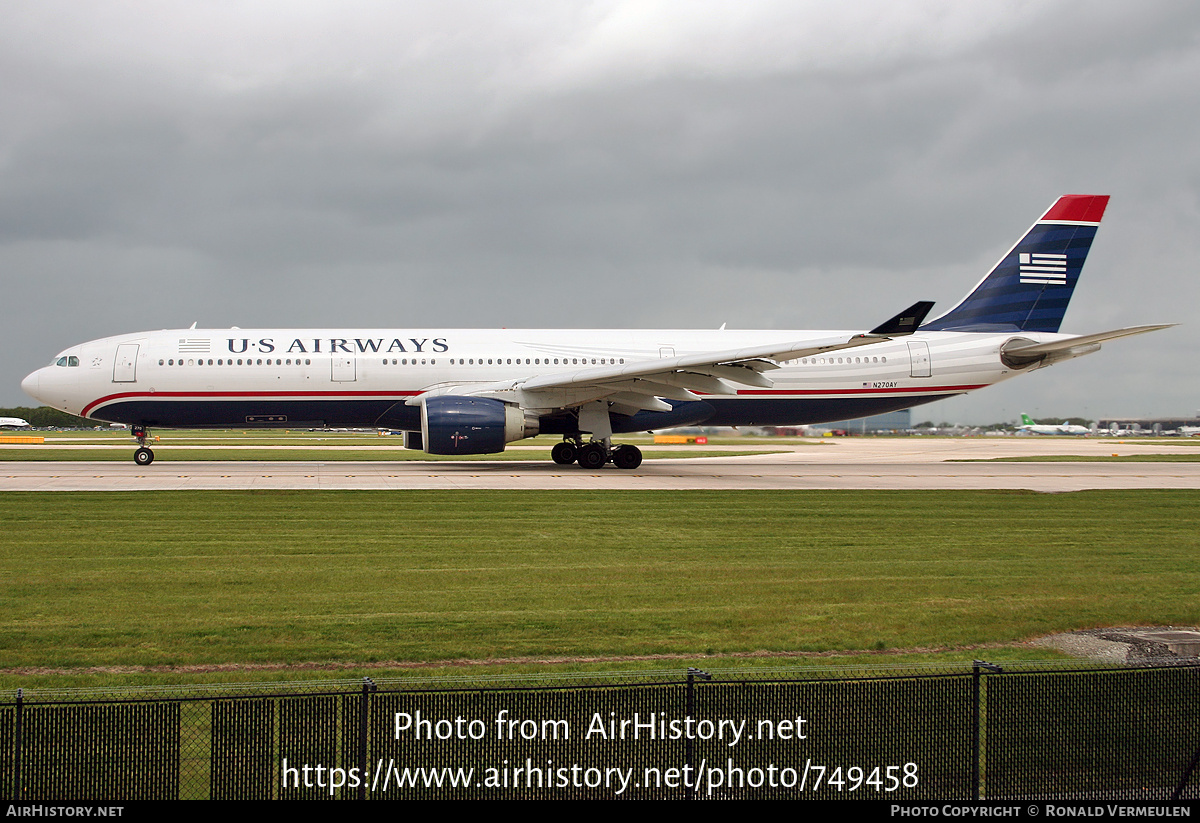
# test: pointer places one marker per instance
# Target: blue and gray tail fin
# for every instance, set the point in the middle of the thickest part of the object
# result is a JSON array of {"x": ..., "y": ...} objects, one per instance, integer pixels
[{"x": 1030, "y": 287}]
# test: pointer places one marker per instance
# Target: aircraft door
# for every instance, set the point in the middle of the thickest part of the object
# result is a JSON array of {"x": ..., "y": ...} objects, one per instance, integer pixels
[
  {"x": 343, "y": 369},
  {"x": 918, "y": 355},
  {"x": 125, "y": 363}
]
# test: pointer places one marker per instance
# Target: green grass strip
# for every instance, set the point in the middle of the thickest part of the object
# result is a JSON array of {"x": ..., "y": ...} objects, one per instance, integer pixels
[
  {"x": 183, "y": 453},
  {"x": 226, "y": 577}
]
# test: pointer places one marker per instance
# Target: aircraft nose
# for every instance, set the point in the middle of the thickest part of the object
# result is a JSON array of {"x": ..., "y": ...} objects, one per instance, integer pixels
[{"x": 31, "y": 384}]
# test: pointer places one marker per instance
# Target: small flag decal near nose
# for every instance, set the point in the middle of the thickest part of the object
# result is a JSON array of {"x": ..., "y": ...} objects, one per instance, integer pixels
[{"x": 1044, "y": 268}]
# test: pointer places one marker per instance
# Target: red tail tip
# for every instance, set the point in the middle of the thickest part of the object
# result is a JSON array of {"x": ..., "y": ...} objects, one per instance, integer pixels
[{"x": 1078, "y": 208}]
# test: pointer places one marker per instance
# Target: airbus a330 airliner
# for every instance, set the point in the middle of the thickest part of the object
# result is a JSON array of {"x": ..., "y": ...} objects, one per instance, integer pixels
[
  {"x": 1027, "y": 425},
  {"x": 461, "y": 392}
]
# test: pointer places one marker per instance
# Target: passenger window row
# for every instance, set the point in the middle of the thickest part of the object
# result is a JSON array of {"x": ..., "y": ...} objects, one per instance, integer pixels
[
  {"x": 833, "y": 361},
  {"x": 240, "y": 361},
  {"x": 510, "y": 361}
]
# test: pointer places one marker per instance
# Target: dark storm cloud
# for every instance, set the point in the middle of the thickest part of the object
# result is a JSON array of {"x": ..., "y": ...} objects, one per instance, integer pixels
[{"x": 623, "y": 164}]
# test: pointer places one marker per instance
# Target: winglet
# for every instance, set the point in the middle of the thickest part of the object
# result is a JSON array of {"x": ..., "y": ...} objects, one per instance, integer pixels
[{"x": 906, "y": 322}]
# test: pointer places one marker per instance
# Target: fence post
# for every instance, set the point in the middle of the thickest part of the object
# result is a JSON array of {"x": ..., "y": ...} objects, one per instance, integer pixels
[
  {"x": 368, "y": 686},
  {"x": 688, "y": 750},
  {"x": 975, "y": 675},
  {"x": 690, "y": 744},
  {"x": 16, "y": 788},
  {"x": 1187, "y": 775},
  {"x": 977, "y": 668}
]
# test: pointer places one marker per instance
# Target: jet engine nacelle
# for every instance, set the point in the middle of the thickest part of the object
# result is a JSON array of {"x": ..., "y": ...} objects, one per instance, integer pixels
[{"x": 472, "y": 425}]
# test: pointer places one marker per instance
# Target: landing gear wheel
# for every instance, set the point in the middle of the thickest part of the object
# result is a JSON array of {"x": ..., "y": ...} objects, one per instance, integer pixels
[
  {"x": 627, "y": 457},
  {"x": 592, "y": 456},
  {"x": 563, "y": 453},
  {"x": 143, "y": 456}
]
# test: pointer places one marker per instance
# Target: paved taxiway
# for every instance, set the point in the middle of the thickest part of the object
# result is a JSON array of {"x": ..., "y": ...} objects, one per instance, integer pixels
[{"x": 852, "y": 463}]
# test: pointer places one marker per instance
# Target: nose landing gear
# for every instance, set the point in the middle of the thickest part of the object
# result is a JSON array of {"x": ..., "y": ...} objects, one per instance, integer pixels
[{"x": 143, "y": 456}]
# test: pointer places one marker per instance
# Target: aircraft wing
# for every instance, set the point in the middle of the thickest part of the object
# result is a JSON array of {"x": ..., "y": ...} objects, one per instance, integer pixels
[{"x": 632, "y": 387}]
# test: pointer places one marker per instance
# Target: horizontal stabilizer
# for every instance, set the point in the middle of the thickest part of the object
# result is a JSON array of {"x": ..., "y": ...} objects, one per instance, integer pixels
[
  {"x": 1083, "y": 340},
  {"x": 1020, "y": 356}
]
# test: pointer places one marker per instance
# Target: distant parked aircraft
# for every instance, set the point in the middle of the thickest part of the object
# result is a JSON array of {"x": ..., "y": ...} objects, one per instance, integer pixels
[
  {"x": 1028, "y": 425},
  {"x": 13, "y": 423}
]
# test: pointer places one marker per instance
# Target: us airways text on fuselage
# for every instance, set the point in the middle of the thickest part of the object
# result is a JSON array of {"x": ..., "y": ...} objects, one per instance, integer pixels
[{"x": 333, "y": 345}]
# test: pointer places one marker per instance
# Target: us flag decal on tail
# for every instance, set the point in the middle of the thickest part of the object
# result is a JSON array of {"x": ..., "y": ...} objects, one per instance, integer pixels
[{"x": 1044, "y": 268}]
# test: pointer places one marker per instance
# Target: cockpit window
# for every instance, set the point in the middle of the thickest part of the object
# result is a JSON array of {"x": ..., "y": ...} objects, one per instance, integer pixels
[
  {"x": 62, "y": 361},
  {"x": 72, "y": 361}
]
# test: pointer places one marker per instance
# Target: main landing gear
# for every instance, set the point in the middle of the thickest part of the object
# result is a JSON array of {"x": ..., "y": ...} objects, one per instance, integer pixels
[
  {"x": 143, "y": 456},
  {"x": 595, "y": 454}
]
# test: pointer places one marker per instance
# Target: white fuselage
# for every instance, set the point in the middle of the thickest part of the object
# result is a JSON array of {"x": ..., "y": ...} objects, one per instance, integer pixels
[
  {"x": 290, "y": 377},
  {"x": 1064, "y": 428}
]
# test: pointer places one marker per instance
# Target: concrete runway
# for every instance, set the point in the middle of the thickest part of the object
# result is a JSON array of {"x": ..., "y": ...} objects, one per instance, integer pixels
[{"x": 850, "y": 463}]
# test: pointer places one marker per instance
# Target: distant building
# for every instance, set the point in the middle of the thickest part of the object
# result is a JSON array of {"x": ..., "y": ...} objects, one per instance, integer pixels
[{"x": 1147, "y": 424}]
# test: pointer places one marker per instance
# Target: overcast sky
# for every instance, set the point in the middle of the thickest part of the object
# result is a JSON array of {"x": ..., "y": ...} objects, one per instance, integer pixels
[{"x": 782, "y": 165}]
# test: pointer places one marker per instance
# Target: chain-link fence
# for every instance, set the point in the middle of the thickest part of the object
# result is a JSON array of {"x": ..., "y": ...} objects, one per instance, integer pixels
[{"x": 915, "y": 733}]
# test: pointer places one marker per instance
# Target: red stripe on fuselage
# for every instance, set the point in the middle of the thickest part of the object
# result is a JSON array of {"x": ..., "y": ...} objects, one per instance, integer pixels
[
  {"x": 260, "y": 394},
  {"x": 402, "y": 394}
]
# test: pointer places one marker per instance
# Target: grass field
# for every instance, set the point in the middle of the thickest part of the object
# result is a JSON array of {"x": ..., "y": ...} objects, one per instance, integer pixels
[
  {"x": 328, "y": 447},
  {"x": 32, "y": 454},
  {"x": 237, "y": 578},
  {"x": 275, "y": 437}
]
